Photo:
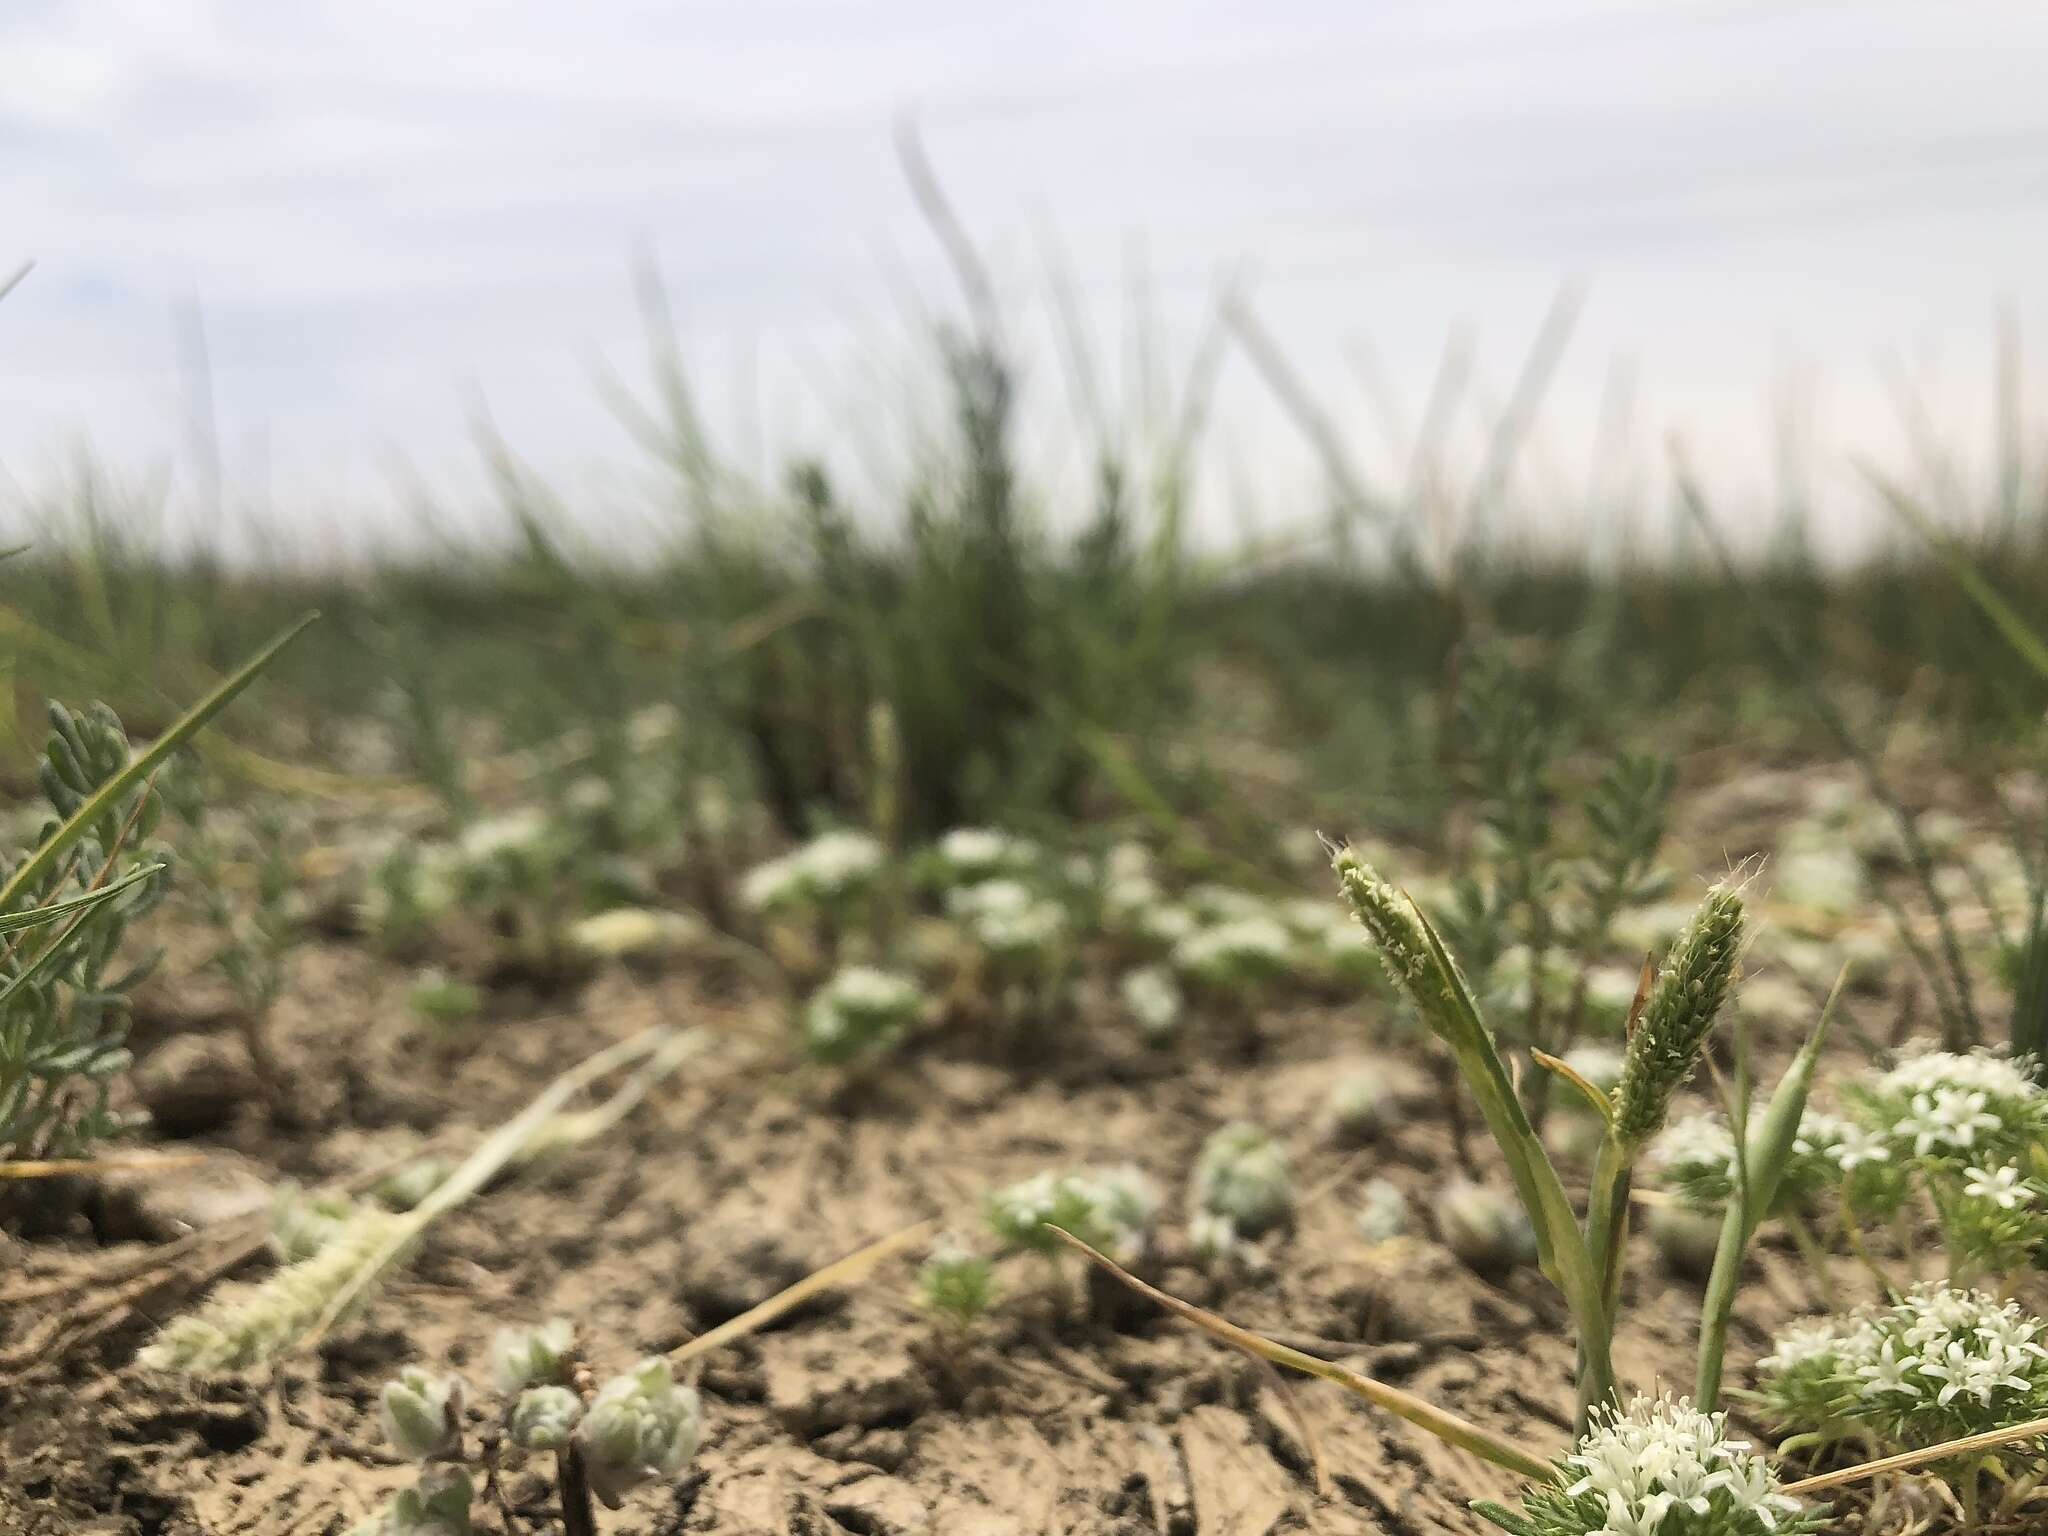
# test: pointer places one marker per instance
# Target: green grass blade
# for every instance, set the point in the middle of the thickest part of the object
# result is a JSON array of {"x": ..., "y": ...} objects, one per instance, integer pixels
[
  {"x": 1767, "y": 1147},
  {"x": 35, "y": 917},
  {"x": 39, "y": 863}
]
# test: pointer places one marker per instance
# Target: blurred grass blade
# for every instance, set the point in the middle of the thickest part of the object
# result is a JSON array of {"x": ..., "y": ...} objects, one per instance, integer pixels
[
  {"x": 14, "y": 282},
  {"x": 499, "y": 1150},
  {"x": 146, "y": 763},
  {"x": 1446, "y": 1426},
  {"x": 35, "y": 917},
  {"x": 2026, "y": 642}
]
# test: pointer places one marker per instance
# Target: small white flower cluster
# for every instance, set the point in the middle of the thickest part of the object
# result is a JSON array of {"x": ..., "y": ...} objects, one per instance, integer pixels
[
  {"x": 1238, "y": 952},
  {"x": 1007, "y": 917},
  {"x": 859, "y": 1010},
  {"x": 1152, "y": 997},
  {"x": 825, "y": 870},
  {"x": 1694, "y": 1157},
  {"x": 1981, "y": 1071},
  {"x": 1110, "y": 1209},
  {"x": 1637, "y": 1468},
  {"x": 1938, "y": 1364},
  {"x": 969, "y": 854}
]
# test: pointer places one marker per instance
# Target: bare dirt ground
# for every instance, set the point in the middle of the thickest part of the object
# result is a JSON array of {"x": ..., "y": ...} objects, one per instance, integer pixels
[{"x": 854, "y": 1414}]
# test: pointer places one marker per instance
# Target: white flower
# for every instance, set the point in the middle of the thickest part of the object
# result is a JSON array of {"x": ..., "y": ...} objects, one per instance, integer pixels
[
  {"x": 1947, "y": 1118},
  {"x": 828, "y": 867},
  {"x": 1887, "y": 1373},
  {"x": 1801, "y": 1344},
  {"x": 859, "y": 1009},
  {"x": 1231, "y": 949},
  {"x": 974, "y": 853},
  {"x": 1856, "y": 1146},
  {"x": 1923, "y": 1070},
  {"x": 2003, "y": 1187},
  {"x": 1662, "y": 1455}
]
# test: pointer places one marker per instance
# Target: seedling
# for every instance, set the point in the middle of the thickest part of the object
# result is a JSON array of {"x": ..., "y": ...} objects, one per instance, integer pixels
[
  {"x": 638, "y": 1427},
  {"x": 955, "y": 1284}
]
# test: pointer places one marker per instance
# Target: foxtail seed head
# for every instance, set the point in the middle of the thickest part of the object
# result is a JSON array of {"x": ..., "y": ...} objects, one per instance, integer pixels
[
  {"x": 1395, "y": 927},
  {"x": 1665, "y": 1046}
]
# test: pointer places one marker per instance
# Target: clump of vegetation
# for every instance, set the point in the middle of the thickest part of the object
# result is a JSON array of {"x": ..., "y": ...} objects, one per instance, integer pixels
[
  {"x": 65, "y": 910},
  {"x": 1934, "y": 1366},
  {"x": 858, "y": 1014},
  {"x": 1242, "y": 1187},
  {"x": 956, "y": 1284},
  {"x": 638, "y": 1427}
]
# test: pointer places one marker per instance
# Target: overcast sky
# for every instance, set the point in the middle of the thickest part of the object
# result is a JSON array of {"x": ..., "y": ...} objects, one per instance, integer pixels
[{"x": 383, "y": 212}]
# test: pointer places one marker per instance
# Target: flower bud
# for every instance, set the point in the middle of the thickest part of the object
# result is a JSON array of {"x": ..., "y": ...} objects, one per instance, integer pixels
[
  {"x": 640, "y": 1426},
  {"x": 543, "y": 1418},
  {"x": 1488, "y": 1230},
  {"x": 423, "y": 1413},
  {"x": 532, "y": 1357}
]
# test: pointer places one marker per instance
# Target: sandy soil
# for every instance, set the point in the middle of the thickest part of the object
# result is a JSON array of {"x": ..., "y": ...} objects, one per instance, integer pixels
[{"x": 855, "y": 1414}]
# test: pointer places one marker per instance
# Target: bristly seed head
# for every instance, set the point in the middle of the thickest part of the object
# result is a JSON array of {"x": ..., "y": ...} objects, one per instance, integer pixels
[
  {"x": 1390, "y": 919},
  {"x": 1665, "y": 1047}
]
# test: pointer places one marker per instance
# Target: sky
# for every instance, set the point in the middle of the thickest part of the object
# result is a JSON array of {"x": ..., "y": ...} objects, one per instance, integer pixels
[{"x": 289, "y": 256}]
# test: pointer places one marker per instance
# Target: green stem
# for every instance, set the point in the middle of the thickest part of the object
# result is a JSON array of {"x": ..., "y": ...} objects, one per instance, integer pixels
[{"x": 1606, "y": 1244}]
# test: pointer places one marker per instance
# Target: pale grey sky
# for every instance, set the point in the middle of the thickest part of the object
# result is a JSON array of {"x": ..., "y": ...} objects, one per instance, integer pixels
[{"x": 385, "y": 209}]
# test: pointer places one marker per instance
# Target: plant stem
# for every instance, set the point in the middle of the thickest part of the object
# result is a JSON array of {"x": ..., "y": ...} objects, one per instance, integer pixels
[
  {"x": 578, "y": 1518},
  {"x": 1606, "y": 1242}
]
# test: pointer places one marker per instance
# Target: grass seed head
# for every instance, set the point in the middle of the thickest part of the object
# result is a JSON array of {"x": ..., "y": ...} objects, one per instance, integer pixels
[{"x": 1664, "y": 1049}]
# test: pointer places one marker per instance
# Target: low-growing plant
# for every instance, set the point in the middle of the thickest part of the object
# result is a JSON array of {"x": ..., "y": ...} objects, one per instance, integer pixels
[
  {"x": 1934, "y": 1366},
  {"x": 955, "y": 1284},
  {"x": 857, "y": 1015},
  {"x": 638, "y": 1427},
  {"x": 1242, "y": 1187},
  {"x": 65, "y": 905},
  {"x": 1110, "y": 1209}
]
